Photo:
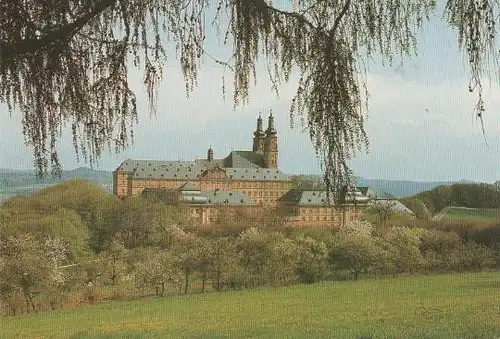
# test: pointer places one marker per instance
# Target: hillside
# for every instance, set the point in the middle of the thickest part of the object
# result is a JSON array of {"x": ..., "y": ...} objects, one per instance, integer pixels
[
  {"x": 443, "y": 306},
  {"x": 24, "y": 182},
  {"x": 472, "y": 196}
]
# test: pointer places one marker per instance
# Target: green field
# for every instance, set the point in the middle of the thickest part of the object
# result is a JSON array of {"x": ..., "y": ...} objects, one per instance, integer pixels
[
  {"x": 472, "y": 214},
  {"x": 446, "y": 306}
]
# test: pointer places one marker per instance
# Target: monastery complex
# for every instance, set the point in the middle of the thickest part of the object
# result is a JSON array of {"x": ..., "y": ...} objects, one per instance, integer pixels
[{"x": 243, "y": 181}]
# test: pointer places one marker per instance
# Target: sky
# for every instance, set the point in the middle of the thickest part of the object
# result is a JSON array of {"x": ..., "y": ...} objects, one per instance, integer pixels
[{"x": 420, "y": 121}]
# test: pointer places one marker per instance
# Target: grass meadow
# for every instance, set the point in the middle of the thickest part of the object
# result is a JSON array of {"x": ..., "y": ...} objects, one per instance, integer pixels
[
  {"x": 441, "y": 306},
  {"x": 472, "y": 214}
]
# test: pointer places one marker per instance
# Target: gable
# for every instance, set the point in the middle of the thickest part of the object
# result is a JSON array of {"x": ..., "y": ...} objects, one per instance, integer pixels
[
  {"x": 213, "y": 173},
  {"x": 245, "y": 159}
]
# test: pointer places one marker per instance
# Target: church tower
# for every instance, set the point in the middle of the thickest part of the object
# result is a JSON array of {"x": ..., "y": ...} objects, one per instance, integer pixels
[
  {"x": 271, "y": 144},
  {"x": 259, "y": 137},
  {"x": 210, "y": 154}
]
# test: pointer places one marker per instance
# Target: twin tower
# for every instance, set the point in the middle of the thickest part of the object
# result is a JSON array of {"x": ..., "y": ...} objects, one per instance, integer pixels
[{"x": 266, "y": 143}]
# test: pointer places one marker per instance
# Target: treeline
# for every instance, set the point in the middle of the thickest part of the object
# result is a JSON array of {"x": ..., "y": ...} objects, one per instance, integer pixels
[
  {"x": 459, "y": 195},
  {"x": 70, "y": 243}
]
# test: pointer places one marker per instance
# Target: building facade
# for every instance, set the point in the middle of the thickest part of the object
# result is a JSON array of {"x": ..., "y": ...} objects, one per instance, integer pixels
[{"x": 243, "y": 180}]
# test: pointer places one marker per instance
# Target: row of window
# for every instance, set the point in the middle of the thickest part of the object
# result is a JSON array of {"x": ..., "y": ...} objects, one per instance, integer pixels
[
  {"x": 316, "y": 210},
  {"x": 255, "y": 194},
  {"x": 252, "y": 184},
  {"x": 325, "y": 218}
]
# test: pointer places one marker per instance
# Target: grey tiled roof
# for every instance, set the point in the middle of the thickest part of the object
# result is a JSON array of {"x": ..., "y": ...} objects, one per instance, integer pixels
[
  {"x": 395, "y": 205},
  {"x": 301, "y": 197},
  {"x": 261, "y": 174},
  {"x": 182, "y": 170},
  {"x": 209, "y": 164},
  {"x": 317, "y": 198},
  {"x": 245, "y": 159},
  {"x": 239, "y": 159},
  {"x": 226, "y": 197},
  {"x": 204, "y": 197},
  {"x": 192, "y": 170}
]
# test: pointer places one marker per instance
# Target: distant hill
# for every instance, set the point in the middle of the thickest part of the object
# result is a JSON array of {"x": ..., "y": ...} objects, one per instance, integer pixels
[
  {"x": 472, "y": 196},
  {"x": 383, "y": 188},
  {"x": 401, "y": 188},
  {"x": 25, "y": 182}
]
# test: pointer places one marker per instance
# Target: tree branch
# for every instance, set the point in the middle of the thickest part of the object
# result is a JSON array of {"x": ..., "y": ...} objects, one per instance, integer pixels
[
  {"x": 28, "y": 46},
  {"x": 295, "y": 15},
  {"x": 341, "y": 15}
]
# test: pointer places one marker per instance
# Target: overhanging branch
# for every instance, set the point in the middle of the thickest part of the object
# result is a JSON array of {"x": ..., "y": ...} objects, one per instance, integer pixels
[{"x": 9, "y": 50}]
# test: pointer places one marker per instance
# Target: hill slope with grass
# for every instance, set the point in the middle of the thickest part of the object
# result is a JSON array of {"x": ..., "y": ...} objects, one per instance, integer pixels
[
  {"x": 468, "y": 196},
  {"x": 25, "y": 182},
  {"x": 445, "y": 306}
]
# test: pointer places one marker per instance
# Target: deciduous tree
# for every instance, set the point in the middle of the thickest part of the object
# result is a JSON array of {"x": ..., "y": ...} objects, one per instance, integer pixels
[{"x": 30, "y": 267}]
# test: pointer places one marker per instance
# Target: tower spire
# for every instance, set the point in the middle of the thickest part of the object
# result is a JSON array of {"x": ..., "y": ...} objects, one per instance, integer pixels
[
  {"x": 210, "y": 154},
  {"x": 259, "y": 136},
  {"x": 270, "y": 126},
  {"x": 259, "y": 131},
  {"x": 271, "y": 144}
]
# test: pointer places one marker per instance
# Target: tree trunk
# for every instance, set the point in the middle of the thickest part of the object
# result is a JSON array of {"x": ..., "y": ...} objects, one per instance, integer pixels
[
  {"x": 113, "y": 273},
  {"x": 204, "y": 278},
  {"x": 186, "y": 281},
  {"x": 32, "y": 303}
]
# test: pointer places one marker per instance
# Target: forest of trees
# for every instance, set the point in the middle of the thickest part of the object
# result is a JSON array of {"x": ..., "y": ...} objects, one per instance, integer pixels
[
  {"x": 74, "y": 244},
  {"x": 458, "y": 195}
]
